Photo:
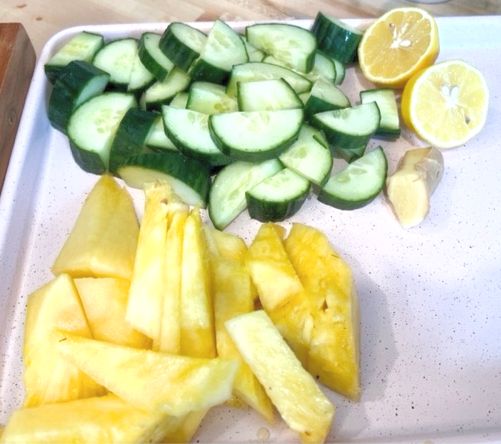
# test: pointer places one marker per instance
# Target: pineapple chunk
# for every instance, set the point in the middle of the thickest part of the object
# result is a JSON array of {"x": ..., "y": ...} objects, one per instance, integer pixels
[
  {"x": 105, "y": 302},
  {"x": 233, "y": 296},
  {"x": 226, "y": 245},
  {"x": 272, "y": 273},
  {"x": 47, "y": 376},
  {"x": 280, "y": 290},
  {"x": 103, "y": 240},
  {"x": 293, "y": 391},
  {"x": 170, "y": 326},
  {"x": 197, "y": 317},
  {"x": 173, "y": 384},
  {"x": 147, "y": 285},
  {"x": 334, "y": 349},
  {"x": 101, "y": 420}
]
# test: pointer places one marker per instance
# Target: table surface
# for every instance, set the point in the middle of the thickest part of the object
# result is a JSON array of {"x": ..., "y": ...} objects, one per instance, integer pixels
[{"x": 43, "y": 18}]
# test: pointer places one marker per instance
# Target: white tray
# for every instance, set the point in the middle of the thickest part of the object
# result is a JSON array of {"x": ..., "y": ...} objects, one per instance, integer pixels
[{"x": 430, "y": 297}]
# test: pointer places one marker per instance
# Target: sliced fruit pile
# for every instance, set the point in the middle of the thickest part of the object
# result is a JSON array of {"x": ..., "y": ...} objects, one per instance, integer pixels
[
  {"x": 146, "y": 327},
  {"x": 262, "y": 111}
]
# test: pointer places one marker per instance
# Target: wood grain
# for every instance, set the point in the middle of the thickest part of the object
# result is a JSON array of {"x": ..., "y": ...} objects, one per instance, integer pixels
[
  {"x": 43, "y": 18},
  {"x": 17, "y": 61}
]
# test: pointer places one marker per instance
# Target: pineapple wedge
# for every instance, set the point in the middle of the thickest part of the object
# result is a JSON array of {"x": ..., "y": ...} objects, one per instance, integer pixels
[
  {"x": 173, "y": 384},
  {"x": 47, "y": 376},
  {"x": 197, "y": 317},
  {"x": 280, "y": 290},
  {"x": 147, "y": 285},
  {"x": 272, "y": 273},
  {"x": 105, "y": 302},
  {"x": 233, "y": 296},
  {"x": 334, "y": 348},
  {"x": 101, "y": 420},
  {"x": 104, "y": 237},
  {"x": 293, "y": 391},
  {"x": 170, "y": 326}
]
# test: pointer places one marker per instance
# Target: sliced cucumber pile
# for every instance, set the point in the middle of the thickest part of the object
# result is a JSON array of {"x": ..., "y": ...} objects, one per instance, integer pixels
[{"x": 262, "y": 112}]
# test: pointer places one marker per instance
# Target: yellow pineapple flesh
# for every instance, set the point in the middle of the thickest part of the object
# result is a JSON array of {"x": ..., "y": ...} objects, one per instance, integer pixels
[
  {"x": 197, "y": 317},
  {"x": 173, "y": 384},
  {"x": 147, "y": 285},
  {"x": 186, "y": 428},
  {"x": 48, "y": 377},
  {"x": 334, "y": 349},
  {"x": 104, "y": 237},
  {"x": 170, "y": 326},
  {"x": 97, "y": 420},
  {"x": 233, "y": 296},
  {"x": 105, "y": 303},
  {"x": 272, "y": 273},
  {"x": 293, "y": 391}
]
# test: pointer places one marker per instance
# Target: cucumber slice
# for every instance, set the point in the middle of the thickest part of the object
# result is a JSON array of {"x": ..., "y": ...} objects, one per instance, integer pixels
[
  {"x": 140, "y": 77},
  {"x": 389, "y": 125},
  {"x": 277, "y": 197},
  {"x": 291, "y": 44},
  {"x": 323, "y": 68},
  {"x": 92, "y": 128},
  {"x": 349, "y": 127},
  {"x": 227, "y": 194},
  {"x": 256, "y": 135},
  {"x": 210, "y": 98},
  {"x": 252, "y": 71},
  {"x": 189, "y": 130},
  {"x": 130, "y": 138},
  {"x": 77, "y": 82},
  {"x": 340, "y": 71},
  {"x": 358, "y": 184},
  {"x": 117, "y": 59},
  {"x": 324, "y": 96},
  {"x": 308, "y": 157},
  {"x": 189, "y": 179},
  {"x": 224, "y": 48},
  {"x": 152, "y": 56},
  {"x": 182, "y": 44},
  {"x": 267, "y": 95},
  {"x": 157, "y": 139},
  {"x": 180, "y": 100},
  {"x": 254, "y": 54},
  {"x": 335, "y": 38},
  {"x": 82, "y": 46},
  {"x": 161, "y": 93}
]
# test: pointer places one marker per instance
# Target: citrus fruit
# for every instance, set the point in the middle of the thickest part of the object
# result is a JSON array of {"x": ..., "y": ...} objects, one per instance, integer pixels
[
  {"x": 446, "y": 104},
  {"x": 398, "y": 44}
]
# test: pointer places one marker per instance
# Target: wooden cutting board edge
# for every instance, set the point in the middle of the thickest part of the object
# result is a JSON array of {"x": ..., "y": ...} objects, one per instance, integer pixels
[{"x": 17, "y": 63}]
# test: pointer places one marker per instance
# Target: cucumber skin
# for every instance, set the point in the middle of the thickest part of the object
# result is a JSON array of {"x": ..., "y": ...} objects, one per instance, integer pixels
[
  {"x": 204, "y": 71},
  {"x": 198, "y": 177},
  {"x": 334, "y": 41},
  {"x": 180, "y": 54},
  {"x": 149, "y": 62},
  {"x": 52, "y": 72},
  {"x": 66, "y": 89},
  {"x": 130, "y": 137},
  {"x": 87, "y": 160},
  {"x": 257, "y": 156},
  {"x": 265, "y": 211}
]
